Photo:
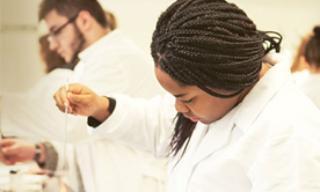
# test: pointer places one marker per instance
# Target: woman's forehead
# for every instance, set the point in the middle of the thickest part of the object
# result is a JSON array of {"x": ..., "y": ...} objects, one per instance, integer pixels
[{"x": 173, "y": 86}]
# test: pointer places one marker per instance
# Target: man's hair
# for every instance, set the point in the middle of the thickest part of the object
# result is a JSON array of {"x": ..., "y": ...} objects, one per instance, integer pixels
[
  {"x": 211, "y": 44},
  {"x": 112, "y": 20},
  {"x": 312, "y": 48},
  {"x": 70, "y": 8}
]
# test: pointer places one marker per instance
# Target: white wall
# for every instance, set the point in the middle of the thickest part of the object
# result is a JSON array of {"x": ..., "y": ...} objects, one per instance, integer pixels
[
  {"x": 20, "y": 66},
  {"x": 137, "y": 18},
  {"x": 292, "y": 18},
  {"x": 1, "y": 57}
]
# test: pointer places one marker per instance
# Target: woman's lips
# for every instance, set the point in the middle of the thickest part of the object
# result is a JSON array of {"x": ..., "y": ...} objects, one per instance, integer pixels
[{"x": 191, "y": 117}]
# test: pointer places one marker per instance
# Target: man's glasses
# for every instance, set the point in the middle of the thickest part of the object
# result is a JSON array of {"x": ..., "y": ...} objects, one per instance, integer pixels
[{"x": 58, "y": 30}]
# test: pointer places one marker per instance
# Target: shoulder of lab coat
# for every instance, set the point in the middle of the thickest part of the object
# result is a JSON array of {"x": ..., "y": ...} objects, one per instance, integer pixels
[
  {"x": 271, "y": 143},
  {"x": 147, "y": 124},
  {"x": 115, "y": 65},
  {"x": 287, "y": 158},
  {"x": 284, "y": 133}
]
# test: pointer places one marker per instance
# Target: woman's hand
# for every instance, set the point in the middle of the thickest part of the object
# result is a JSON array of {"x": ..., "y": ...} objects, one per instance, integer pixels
[{"x": 80, "y": 100}]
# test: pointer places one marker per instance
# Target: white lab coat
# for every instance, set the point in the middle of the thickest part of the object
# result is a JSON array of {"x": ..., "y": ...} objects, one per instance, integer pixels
[
  {"x": 270, "y": 142},
  {"x": 115, "y": 64},
  {"x": 112, "y": 64},
  {"x": 310, "y": 86},
  {"x": 33, "y": 113}
]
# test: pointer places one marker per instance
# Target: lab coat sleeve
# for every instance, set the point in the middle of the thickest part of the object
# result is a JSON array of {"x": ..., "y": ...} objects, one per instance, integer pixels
[
  {"x": 287, "y": 163},
  {"x": 146, "y": 124}
]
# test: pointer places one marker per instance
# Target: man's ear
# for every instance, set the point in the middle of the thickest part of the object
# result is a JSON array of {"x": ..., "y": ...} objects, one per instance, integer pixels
[{"x": 84, "y": 21}]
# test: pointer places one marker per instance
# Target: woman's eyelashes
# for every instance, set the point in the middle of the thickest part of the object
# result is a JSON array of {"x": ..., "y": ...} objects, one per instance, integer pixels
[{"x": 187, "y": 101}]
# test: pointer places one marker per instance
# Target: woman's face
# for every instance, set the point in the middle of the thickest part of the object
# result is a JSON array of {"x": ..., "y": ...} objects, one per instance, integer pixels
[{"x": 194, "y": 103}]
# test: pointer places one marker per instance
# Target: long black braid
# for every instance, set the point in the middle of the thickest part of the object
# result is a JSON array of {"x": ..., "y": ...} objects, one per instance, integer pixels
[{"x": 211, "y": 44}]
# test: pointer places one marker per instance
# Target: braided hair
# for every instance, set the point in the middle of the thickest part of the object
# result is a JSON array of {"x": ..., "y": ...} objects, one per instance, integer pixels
[
  {"x": 211, "y": 44},
  {"x": 312, "y": 48}
]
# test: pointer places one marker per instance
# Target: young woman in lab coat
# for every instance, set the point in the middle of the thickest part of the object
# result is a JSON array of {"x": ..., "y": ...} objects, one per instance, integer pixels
[{"x": 242, "y": 126}]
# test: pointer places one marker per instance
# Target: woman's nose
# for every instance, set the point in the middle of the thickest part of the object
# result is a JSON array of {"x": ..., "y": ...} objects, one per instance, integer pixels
[{"x": 181, "y": 107}]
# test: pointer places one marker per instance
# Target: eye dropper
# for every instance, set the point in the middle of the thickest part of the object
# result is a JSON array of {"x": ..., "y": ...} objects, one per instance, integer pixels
[{"x": 66, "y": 123}]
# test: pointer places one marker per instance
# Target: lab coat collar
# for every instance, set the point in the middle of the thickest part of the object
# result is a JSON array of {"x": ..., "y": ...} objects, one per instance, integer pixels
[
  {"x": 261, "y": 94},
  {"x": 205, "y": 141},
  {"x": 215, "y": 137},
  {"x": 99, "y": 46}
]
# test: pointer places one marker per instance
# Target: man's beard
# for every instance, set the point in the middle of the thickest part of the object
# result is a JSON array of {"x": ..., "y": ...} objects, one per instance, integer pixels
[{"x": 80, "y": 41}]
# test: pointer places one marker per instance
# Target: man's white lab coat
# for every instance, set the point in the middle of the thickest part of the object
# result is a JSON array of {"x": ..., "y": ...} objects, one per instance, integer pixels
[
  {"x": 270, "y": 142},
  {"x": 112, "y": 64},
  {"x": 33, "y": 113}
]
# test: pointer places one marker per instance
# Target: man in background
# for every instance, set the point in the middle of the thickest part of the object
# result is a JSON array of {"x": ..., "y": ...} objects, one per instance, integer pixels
[{"x": 107, "y": 62}]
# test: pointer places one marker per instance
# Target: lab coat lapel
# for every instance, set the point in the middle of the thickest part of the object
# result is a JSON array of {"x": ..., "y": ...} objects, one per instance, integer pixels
[
  {"x": 181, "y": 169},
  {"x": 205, "y": 140},
  {"x": 216, "y": 138}
]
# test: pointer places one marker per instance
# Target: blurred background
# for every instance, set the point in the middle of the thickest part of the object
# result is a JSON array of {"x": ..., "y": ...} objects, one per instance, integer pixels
[{"x": 20, "y": 65}]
